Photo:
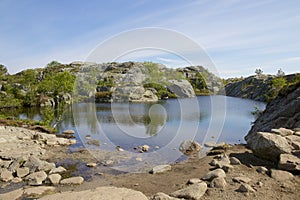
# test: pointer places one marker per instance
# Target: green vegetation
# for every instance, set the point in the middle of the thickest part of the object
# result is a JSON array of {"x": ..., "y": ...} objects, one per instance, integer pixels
[
  {"x": 278, "y": 82},
  {"x": 152, "y": 72},
  {"x": 198, "y": 83},
  {"x": 27, "y": 87},
  {"x": 13, "y": 121},
  {"x": 161, "y": 90}
]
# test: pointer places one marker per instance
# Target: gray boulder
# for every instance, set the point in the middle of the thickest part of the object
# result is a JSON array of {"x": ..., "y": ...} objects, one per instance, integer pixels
[
  {"x": 182, "y": 88},
  {"x": 268, "y": 146},
  {"x": 289, "y": 162},
  {"x": 193, "y": 192}
]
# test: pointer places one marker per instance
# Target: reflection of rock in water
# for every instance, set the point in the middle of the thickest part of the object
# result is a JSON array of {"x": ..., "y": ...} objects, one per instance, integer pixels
[{"x": 158, "y": 116}]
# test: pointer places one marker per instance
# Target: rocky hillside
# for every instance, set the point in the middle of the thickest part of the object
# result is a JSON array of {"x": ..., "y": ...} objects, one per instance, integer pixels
[
  {"x": 283, "y": 111},
  {"x": 259, "y": 87},
  {"x": 106, "y": 82}
]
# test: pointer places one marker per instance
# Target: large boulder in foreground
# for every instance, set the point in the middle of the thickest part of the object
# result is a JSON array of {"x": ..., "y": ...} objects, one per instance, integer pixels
[
  {"x": 100, "y": 193},
  {"x": 269, "y": 145}
]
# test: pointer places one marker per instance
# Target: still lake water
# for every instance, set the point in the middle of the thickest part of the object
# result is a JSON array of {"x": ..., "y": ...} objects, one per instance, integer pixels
[{"x": 162, "y": 126}]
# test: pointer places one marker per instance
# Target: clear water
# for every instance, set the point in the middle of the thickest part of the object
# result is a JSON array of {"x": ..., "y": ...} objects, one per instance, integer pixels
[{"x": 162, "y": 126}]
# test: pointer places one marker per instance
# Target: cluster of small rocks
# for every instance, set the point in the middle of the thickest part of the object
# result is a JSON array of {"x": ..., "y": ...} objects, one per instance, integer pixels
[
  {"x": 217, "y": 178},
  {"x": 22, "y": 158}
]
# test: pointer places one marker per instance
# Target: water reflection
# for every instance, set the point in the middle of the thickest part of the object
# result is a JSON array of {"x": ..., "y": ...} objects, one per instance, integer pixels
[{"x": 165, "y": 124}]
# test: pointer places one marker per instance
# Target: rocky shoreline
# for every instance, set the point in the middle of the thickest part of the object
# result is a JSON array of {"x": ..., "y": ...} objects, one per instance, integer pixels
[{"x": 235, "y": 172}]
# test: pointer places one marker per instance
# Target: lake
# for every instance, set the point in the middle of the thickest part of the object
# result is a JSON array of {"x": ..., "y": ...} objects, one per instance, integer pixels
[{"x": 162, "y": 126}]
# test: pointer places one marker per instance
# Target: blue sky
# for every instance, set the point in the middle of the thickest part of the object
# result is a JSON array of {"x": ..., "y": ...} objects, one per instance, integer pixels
[{"x": 238, "y": 35}]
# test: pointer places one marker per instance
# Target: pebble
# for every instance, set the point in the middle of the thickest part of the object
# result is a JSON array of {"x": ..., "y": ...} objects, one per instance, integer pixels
[{"x": 91, "y": 164}]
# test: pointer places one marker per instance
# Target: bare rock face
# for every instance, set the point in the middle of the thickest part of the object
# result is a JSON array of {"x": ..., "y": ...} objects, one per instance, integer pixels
[
  {"x": 252, "y": 87},
  {"x": 182, "y": 88},
  {"x": 283, "y": 111},
  {"x": 268, "y": 145}
]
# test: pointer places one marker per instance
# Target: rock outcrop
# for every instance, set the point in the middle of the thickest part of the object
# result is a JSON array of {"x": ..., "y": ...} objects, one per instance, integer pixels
[
  {"x": 283, "y": 111},
  {"x": 23, "y": 157},
  {"x": 253, "y": 87},
  {"x": 258, "y": 87}
]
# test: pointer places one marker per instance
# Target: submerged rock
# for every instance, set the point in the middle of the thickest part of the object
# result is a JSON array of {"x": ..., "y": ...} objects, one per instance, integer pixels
[{"x": 189, "y": 147}]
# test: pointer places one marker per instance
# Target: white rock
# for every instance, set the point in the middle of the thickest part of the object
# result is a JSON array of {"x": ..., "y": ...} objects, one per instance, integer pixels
[{"x": 91, "y": 164}]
